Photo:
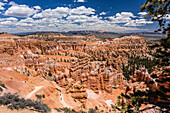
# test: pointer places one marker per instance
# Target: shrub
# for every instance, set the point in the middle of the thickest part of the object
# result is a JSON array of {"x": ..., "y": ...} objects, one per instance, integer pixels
[
  {"x": 13, "y": 101},
  {"x": 58, "y": 89},
  {"x": 1, "y": 84},
  {"x": 92, "y": 110},
  {"x": 1, "y": 89},
  {"x": 58, "y": 110},
  {"x": 38, "y": 96}
]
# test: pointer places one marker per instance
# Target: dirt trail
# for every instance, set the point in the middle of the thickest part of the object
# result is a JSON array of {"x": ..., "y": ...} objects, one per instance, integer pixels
[
  {"x": 34, "y": 91},
  {"x": 61, "y": 96},
  {"x": 63, "y": 102}
]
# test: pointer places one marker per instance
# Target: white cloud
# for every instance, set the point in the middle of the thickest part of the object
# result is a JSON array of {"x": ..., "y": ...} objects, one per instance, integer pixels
[
  {"x": 167, "y": 17},
  {"x": 79, "y": 1},
  {"x": 1, "y": 6},
  {"x": 27, "y": 20},
  {"x": 138, "y": 22},
  {"x": 128, "y": 19},
  {"x": 5, "y": 22},
  {"x": 20, "y": 11},
  {"x": 131, "y": 23},
  {"x": 82, "y": 10},
  {"x": 10, "y": 19},
  {"x": 59, "y": 12},
  {"x": 122, "y": 17},
  {"x": 83, "y": 19},
  {"x": 5, "y": 0},
  {"x": 66, "y": 19},
  {"x": 103, "y": 13},
  {"x": 126, "y": 14},
  {"x": 12, "y": 3},
  {"x": 143, "y": 21},
  {"x": 37, "y": 7},
  {"x": 142, "y": 13}
]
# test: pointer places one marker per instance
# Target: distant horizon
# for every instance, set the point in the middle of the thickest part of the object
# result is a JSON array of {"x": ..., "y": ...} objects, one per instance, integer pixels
[
  {"x": 26, "y": 33},
  {"x": 20, "y": 16}
]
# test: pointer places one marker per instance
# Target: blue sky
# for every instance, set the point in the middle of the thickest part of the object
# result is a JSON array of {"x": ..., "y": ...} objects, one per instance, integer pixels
[{"x": 73, "y": 15}]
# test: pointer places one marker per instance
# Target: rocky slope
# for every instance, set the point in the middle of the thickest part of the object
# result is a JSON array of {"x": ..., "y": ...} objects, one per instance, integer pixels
[{"x": 76, "y": 71}]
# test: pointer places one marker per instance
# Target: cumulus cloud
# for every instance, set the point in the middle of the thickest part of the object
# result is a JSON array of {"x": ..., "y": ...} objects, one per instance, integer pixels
[
  {"x": 37, "y": 7},
  {"x": 9, "y": 19},
  {"x": 125, "y": 14},
  {"x": 20, "y": 11},
  {"x": 79, "y": 1},
  {"x": 6, "y": 22},
  {"x": 59, "y": 12},
  {"x": 142, "y": 13},
  {"x": 82, "y": 10},
  {"x": 84, "y": 19},
  {"x": 27, "y": 20},
  {"x": 143, "y": 21},
  {"x": 66, "y": 19},
  {"x": 128, "y": 19},
  {"x": 103, "y": 13},
  {"x": 122, "y": 17},
  {"x": 138, "y": 22},
  {"x": 5, "y": 0},
  {"x": 1, "y": 6},
  {"x": 12, "y": 3}
]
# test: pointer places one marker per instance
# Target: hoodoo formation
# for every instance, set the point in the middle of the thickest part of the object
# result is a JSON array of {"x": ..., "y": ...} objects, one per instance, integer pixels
[{"x": 78, "y": 72}]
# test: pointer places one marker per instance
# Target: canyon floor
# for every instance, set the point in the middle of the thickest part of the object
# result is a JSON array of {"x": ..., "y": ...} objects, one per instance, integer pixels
[{"x": 77, "y": 72}]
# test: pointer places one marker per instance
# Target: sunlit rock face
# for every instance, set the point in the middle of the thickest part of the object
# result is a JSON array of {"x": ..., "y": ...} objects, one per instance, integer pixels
[
  {"x": 77, "y": 64},
  {"x": 142, "y": 81},
  {"x": 78, "y": 92}
]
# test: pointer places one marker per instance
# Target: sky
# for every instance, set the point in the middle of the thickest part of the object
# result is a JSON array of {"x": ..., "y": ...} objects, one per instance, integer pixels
[{"x": 17, "y": 16}]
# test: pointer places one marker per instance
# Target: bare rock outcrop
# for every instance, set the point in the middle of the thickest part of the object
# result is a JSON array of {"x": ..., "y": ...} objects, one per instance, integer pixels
[{"x": 78, "y": 92}]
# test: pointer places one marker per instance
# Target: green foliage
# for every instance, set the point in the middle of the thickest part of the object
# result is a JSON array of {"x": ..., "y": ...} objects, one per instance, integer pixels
[
  {"x": 132, "y": 104},
  {"x": 3, "y": 85},
  {"x": 64, "y": 60},
  {"x": 1, "y": 89},
  {"x": 134, "y": 62},
  {"x": 43, "y": 96},
  {"x": 58, "y": 110},
  {"x": 49, "y": 73},
  {"x": 136, "y": 99},
  {"x": 68, "y": 110},
  {"x": 92, "y": 110},
  {"x": 113, "y": 107},
  {"x": 158, "y": 10},
  {"x": 13, "y": 101},
  {"x": 75, "y": 100},
  {"x": 102, "y": 111},
  {"x": 40, "y": 96},
  {"x": 163, "y": 54},
  {"x": 96, "y": 108},
  {"x": 58, "y": 89},
  {"x": 165, "y": 42}
]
